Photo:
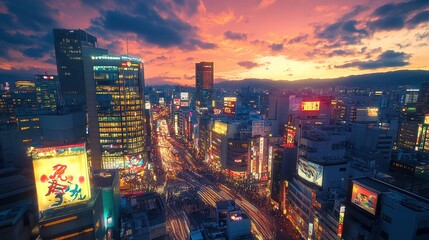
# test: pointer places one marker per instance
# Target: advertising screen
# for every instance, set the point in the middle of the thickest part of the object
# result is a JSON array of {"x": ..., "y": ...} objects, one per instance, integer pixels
[
  {"x": 372, "y": 112},
  {"x": 61, "y": 175},
  {"x": 310, "y": 171},
  {"x": 184, "y": 104},
  {"x": 184, "y": 96},
  {"x": 364, "y": 198},
  {"x": 310, "y": 106},
  {"x": 229, "y": 105},
  {"x": 176, "y": 101}
]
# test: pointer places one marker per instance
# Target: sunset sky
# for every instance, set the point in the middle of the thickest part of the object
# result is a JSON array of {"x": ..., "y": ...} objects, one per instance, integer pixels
[{"x": 269, "y": 39}]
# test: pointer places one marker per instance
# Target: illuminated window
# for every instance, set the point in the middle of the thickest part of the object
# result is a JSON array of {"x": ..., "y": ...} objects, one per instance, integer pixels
[
  {"x": 27, "y": 140},
  {"x": 24, "y": 128}
]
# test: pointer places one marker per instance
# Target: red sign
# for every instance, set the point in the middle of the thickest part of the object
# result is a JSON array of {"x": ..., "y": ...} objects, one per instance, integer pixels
[{"x": 310, "y": 106}]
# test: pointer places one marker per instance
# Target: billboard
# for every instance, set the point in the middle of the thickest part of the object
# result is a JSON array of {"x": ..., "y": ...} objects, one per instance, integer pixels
[
  {"x": 61, "y": 175},
  {"x": 229, "y": 105},
  {"x": 341, "y": 221},
  {"x": 258, "y": 128},
  {"x": 184, "y": 104},
  {"x": 364, "y": 198},
  {"x": 310, "y": 106},
  {"x": 372, "y": 112},
  {"x": 176, "y": 101},
  {"x": 184, "y": 96},
  {"x": 310, "y": 171}
]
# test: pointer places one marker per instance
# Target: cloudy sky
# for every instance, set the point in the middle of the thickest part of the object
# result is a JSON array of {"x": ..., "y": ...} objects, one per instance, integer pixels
[{"x": 269, "y": 39}]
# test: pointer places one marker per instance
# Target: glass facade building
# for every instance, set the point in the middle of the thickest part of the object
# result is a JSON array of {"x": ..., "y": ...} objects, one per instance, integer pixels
[
  {"x": 204, "y": 83},
  {"x": 116, "y": 119},
  {"x": 47, "y": 93},
  {"x": 70, "y": 47}
]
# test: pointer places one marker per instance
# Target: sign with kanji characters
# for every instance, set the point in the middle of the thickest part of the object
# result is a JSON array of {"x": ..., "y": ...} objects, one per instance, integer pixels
[{"x": 61, "y": 175}]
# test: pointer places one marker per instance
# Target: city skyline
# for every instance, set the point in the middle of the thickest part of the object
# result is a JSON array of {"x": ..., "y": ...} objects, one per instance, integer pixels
[{"x": 261, "y": 39}]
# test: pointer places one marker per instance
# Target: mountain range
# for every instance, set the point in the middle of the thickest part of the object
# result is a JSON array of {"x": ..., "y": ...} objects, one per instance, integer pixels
[{"x": 395, "y": 78}]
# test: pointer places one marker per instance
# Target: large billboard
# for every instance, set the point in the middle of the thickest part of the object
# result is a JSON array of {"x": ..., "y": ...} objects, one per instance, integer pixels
[
  {"x": 310, "y": 106},
  {"x": 61, "y": 175},
  {"x": 364, "y": 198},
  {"x": 310, "y": 171}
]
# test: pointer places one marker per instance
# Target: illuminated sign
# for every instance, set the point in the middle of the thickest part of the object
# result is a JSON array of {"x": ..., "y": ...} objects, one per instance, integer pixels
[
  {"x": 310, "y": 171},
  {"x": 217, "y": 111},
  {"x": 270, "y": 158},
  {"x": 220, "y": 128},
  {"x": 61, "y": 176},
  {"x": 310, "y": 106},
  {"x": 133, "y": 166},
  {"x": 426, "y": 119},
  {"x": 184, "y": 104},
  {"x": 229, "y": 105},
  {"x": 176, "y": 101},
  {"x": 48, "y": 77},
  {"x": 235, "y": 217},
  {"x": 364, "y": 198},
  {"x": 147, "y": 105},
  {"x": 261, "y": 153},
  {"x": 161, "y": 100},
  {"x": 289, "y": 137},
  {"x": 184, "y": 96},
  {"x": 372, "y": 112},
  {"x": 129, "y": 64},
  {"x": 341, "y": 221}
]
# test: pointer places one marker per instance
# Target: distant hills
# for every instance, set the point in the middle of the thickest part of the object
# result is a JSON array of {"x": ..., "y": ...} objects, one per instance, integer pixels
[{"x": 394, "y": 78}]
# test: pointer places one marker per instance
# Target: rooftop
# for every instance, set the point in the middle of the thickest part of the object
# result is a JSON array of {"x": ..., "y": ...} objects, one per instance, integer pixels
[{"x": 407, "y": 199}]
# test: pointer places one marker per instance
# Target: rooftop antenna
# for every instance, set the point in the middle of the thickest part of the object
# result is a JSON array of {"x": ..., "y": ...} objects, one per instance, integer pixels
[{"x": 126, "y": 39}]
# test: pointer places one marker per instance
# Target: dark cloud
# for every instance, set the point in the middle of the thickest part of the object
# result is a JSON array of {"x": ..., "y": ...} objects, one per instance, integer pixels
[
  {"x": 298, "y": 39},
  {"x": 395, "y": 16},
  {"x": 347, "y": 30},
  {"x": 25, "y": 27},
  {"x": 187, "y": 77},
  {"x": 422, "y": 17},
  {"x": 342, "y": 33},
  {"x": 388, "y": 58},
  {"x": 422, "y": 36},
  {"x": 235, "y": 35},
  {"x": 158, "y": 58},
  {"x": 276, "y": 47},
  {"x": 153, "y": 21},
  {"x": 248, "y": 64}
]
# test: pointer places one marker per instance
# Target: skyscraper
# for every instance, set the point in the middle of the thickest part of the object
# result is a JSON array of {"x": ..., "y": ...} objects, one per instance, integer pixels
[
  {"x": 47, "y": 93},
  {"x": 115, "y": 101},
  {"x": 204, "y": 84},
  {"x": 423, "y": 99},
  {"x": 70, "y": 47}
]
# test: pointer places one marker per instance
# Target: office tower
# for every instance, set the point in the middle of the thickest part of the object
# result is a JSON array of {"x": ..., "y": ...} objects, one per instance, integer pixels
[
  {"x": 70, "y": 47},
  {"x": 204, "y": 84},
  {"x": 423, "y": 99},
  {"x": 115, "y": 102},
  {"x": 47, "y": 93}
]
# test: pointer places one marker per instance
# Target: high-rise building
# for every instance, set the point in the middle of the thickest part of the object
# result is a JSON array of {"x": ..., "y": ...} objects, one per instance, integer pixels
[
  {"x": 115, "y": 101},
  {"x": 70, "y": 47},
  {"x": 204, "y": 84},
  {"x": 47, "y": 93},
  {"x": 423, "y": 99}
]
